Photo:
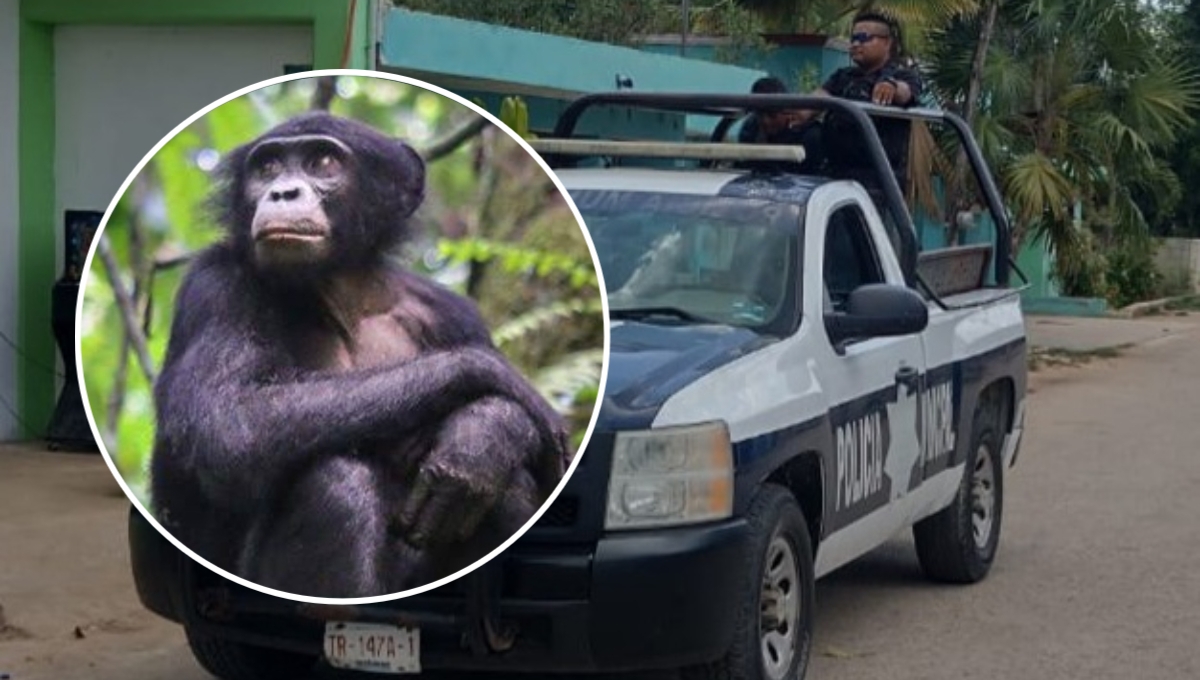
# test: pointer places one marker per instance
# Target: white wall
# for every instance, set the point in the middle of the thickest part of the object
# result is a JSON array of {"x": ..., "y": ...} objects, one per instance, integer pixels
[
  {"x": 9, "y": 16},
  {"x": 120, "y": 89},
  {"x": 1180, "y": 255}
]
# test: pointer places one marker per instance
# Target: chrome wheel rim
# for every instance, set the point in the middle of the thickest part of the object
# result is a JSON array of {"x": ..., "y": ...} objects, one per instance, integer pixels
[
  {"x": 983, "y": 498},
  {"x": 780, "y": 609}
]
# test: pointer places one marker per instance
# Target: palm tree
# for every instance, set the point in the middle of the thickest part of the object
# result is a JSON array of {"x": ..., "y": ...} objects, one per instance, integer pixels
[
  {"x": 833, "y": 17},
  {"x": 1076, "y": 107}
]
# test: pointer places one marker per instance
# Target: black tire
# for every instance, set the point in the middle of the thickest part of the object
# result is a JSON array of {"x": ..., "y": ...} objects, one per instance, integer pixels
[
  {"x": 231, "y": 660},
  {"x": 773, "y": 513},
  {"x": 946, "y": 542}
]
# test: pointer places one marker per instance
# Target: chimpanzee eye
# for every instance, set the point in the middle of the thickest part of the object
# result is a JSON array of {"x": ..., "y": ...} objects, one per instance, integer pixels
[
  {"x": 270, "y": 167},
  {"x": 325, "y": 165}
]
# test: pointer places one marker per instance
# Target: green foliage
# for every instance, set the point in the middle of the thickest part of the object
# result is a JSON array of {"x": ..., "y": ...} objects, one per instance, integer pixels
[
  {"x": 1080, "y": 268},
  {"x": 1132, "y": 275},
  {"x": 1081, "y": 105},
  {"x": 514, "y": 113},
  {"x": 516, "y": 259},
  {"x": 488, "y": 205}
]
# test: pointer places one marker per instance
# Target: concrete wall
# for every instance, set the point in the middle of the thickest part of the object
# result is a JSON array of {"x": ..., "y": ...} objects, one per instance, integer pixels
[
  {"x": 9, "y": 12},
  {"x": 1180, "y": 256},
  {"x": 120, "y": 89}
]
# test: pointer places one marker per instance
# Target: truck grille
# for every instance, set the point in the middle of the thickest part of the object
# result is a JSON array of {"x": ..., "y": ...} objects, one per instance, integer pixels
[{"x": 564, "y": 512}]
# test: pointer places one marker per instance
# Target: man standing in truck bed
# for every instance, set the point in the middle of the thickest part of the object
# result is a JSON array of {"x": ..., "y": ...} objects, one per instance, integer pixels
[{"x": 877, "y": 76}]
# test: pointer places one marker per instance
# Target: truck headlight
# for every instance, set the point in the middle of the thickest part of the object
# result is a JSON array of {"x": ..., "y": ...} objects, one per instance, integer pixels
[{"x": 670, "y": 476}]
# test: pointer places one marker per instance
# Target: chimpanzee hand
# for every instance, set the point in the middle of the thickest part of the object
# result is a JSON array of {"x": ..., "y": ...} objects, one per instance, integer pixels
[{"x": 469, "y": 470}]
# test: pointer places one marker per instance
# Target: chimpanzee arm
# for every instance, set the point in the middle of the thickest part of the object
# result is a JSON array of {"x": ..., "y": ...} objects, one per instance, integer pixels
[
  {"x": 456, "y": 323},
  {"x": 233, "y": 416},
  {"x": 480, "y": 446}
]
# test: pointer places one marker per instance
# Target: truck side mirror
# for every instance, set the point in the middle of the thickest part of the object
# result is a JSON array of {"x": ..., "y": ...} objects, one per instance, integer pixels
[{"x": 877, "y": 310}]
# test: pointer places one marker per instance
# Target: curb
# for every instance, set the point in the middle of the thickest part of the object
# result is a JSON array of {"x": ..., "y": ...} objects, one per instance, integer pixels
[{"x": 1139, "y": 309}]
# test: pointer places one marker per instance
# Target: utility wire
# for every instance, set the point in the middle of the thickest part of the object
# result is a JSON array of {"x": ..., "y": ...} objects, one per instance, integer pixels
[
  {"x": 8, "y": 407},
  {"x": 21, "y": 353}
]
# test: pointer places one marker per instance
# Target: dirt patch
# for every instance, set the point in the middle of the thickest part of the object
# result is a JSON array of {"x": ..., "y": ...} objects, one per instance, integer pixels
[
  {"x": 9, "y": 632},
  {"x": 1047, "y": 357},
  {"x": 105, "y": 626}
]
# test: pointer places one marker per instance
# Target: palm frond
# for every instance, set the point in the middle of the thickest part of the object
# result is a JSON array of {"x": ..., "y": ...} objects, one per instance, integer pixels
[
  {"x": 542, "y": 317},
  {"x": 1118, "y": 136},
  {"x": 1037, "y": 187},
  {"x": 1160, "y": 100}
]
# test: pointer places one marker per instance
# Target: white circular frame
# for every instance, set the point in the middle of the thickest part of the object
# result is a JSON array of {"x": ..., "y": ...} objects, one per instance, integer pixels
[{"x": 87, "y": 271}]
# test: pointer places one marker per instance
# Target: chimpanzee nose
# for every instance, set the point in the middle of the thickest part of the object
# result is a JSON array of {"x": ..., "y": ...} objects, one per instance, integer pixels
[{"x": 285, "y": 192}]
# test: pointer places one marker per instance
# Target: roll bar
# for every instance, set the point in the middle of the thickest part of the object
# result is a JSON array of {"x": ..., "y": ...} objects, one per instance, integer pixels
[{"x": 729, "y": 107}]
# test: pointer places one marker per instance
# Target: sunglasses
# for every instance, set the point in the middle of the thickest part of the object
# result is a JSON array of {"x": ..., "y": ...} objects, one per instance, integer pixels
[{"x": 864, "y": 38}]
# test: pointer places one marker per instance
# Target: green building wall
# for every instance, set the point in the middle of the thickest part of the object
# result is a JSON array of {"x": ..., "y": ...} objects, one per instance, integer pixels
[{"x": 340, "y": 40}]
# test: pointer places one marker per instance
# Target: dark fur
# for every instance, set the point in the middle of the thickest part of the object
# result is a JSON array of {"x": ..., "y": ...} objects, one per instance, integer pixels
[{"x": 295, "y": 476}]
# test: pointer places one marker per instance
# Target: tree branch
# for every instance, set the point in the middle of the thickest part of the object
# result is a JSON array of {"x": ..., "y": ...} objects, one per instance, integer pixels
[
  {"x": 323, "y": 95},
  {"x": 454, "y": 139},
  {"x": 126, "y": 306}
]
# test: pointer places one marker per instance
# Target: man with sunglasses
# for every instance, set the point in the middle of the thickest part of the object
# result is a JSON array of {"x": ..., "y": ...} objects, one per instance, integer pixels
[{"x": 877, "y": 76}]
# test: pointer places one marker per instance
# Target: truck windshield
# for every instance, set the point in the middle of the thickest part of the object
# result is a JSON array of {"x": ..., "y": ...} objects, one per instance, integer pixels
[{"x": 684, "y": 258}]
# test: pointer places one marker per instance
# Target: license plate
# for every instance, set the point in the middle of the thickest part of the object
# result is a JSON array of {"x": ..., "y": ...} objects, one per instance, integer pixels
[{"x": 373, "y": 648}]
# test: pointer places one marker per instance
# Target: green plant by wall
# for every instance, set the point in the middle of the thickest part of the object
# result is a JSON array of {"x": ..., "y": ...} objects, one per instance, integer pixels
[
  {"x": 1081, "y": 269},
  {"x": 1132, "y": 274},
  {"x": 514, "y": 113}
]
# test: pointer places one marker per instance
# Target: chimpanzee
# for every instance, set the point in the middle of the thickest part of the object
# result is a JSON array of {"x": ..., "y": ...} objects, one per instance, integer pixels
[{"x": 329, "y": 423}]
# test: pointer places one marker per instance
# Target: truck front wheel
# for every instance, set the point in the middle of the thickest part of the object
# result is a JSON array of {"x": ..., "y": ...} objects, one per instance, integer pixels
[
  {"x": 231, "y": 660},
  {"x": 773, "y": 636}
]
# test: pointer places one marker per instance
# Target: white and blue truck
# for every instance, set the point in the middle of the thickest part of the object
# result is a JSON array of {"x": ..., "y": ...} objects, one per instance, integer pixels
[{"x": 792, "y": 382}]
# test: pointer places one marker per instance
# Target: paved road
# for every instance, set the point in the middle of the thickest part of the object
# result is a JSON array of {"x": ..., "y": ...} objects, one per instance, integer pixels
[{"x": 1097, "y": 576}]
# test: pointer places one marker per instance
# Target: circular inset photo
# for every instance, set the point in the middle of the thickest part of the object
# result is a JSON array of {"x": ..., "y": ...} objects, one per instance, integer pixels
[{"x": 342, "y": 336}]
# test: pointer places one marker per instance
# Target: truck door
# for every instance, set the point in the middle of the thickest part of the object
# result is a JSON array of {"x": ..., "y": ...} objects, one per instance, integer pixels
[{"x": 873, "y": 388}]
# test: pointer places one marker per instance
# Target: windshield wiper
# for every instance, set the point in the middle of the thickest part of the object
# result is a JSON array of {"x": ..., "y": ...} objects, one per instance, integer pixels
[{"x": 643, "y": 313}]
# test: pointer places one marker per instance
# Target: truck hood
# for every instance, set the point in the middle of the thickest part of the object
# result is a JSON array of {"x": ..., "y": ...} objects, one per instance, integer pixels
[{"x": 650, "y": 362}]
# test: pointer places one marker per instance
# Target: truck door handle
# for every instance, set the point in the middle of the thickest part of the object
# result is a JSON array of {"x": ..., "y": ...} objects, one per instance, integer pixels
[{"x": 907, "y": 376}]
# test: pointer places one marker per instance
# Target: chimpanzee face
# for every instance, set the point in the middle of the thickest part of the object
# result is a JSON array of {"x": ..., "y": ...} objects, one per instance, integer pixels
[{"x": 289, "y": 182}]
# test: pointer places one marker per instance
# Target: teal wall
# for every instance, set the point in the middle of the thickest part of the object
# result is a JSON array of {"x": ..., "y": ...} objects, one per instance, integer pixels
[
  {"x": 801, "y": 62},
  {"x": 611, "y": 122},
  {"x": 523, "y": 62},
  {"x": 547, "y": 71},
  {"x": 1036, "y": 261}
]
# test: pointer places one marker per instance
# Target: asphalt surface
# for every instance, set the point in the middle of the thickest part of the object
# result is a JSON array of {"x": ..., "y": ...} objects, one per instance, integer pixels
[{"x": 1097, "y": 574}]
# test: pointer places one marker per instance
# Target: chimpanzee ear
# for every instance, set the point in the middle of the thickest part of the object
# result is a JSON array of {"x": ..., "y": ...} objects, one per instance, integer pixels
[
  {"x": 410, "y": 174},
  {"x": 225, "y": 200}
]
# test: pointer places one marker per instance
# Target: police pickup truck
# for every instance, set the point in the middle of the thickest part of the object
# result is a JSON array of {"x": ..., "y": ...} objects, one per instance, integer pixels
[{"x": 791, "y": 383}]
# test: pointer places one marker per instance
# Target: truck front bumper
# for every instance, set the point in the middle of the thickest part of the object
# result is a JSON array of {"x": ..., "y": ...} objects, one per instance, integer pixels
[{"x": 630, "y": 601}]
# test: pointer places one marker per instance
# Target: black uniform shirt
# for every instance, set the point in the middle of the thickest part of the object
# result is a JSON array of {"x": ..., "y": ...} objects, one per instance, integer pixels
[{"x": 843, "y": 142}]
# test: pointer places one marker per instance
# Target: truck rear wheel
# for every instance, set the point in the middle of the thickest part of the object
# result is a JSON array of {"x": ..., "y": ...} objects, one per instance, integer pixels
[
  {"x": 773, "y": 635},
  {"x": 231, "y": 660},
  {"x": 959, "y": 543}
]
